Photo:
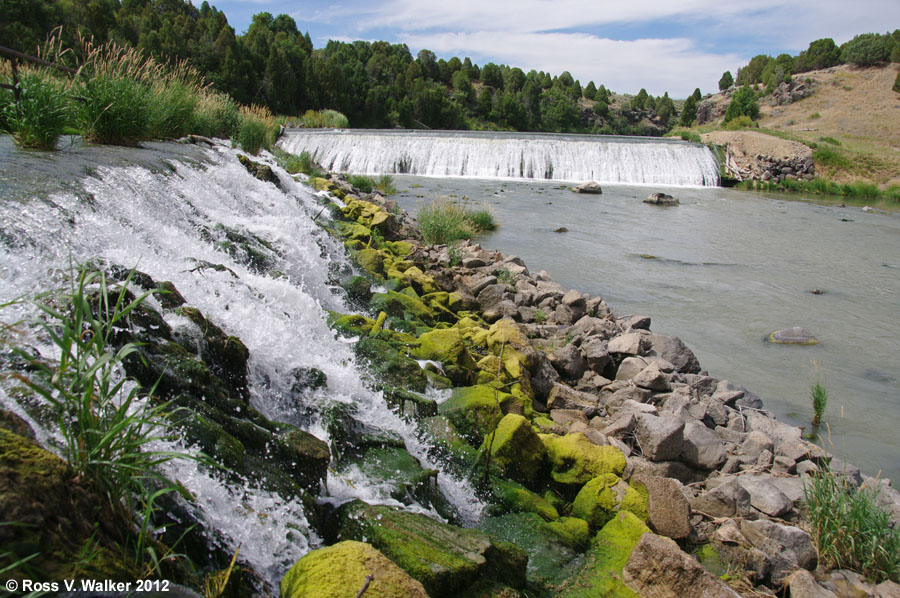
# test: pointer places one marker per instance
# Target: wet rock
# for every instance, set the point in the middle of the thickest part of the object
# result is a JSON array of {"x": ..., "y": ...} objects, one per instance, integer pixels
[
  {"x": 590, "y": 187},
  {"x": 662, "y": 199},
  {"x": 793, "y": 336},
  {"x": 262, "y": 172},
  {"x": 601, "y": 498},
  {"x": 576, "y": 460},
  {"x": 344, "y": 569},
  {"x": 659, "y": 568},
  {"x": 669, "y": 510},
  {"x": 517, "y": 450}
]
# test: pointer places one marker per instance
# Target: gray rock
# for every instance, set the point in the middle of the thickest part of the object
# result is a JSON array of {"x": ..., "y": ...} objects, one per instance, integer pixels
[
  {"x": 596, "y": 353},
  {"x": 787, "y": 548},
  {"x": 660, "y": 439},
  {"x": 756, "y": 443},
  {"x": 661, "y": 199},
  {"x": 652, "y": 378},
  {"x": 670, "y": 512},
  {"x": 492, "y": 294},
  {"x": 498, "y": 311},
  {"x": 727, "y": 500},
  {"x": 631, "y": 343},
  {"x": 569, "y": 362},
  {"x": 564, "y": 417},
  {"x": 565, "y": 397},
  {"x": 630, "y": 367},
  {"x": 668, "y": 469},
  {"x": 673, "y": 350},
  {"x": 636, "y": 323},
  {"x": 765, "y": 496},
  {"x": 657, "y": 567},
  {"x": 543, "y": 376},
  {"x": 616, "y": 400},
  {"x": 590, "y": 187},
  {"x": 701, "y": 447},
  {"x": 793, "y": 336},
  {"x": 480, "y": 284}
]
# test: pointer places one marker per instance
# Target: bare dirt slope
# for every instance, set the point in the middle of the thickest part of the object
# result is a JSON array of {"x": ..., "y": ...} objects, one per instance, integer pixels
[{"x": 854, "y": 106}]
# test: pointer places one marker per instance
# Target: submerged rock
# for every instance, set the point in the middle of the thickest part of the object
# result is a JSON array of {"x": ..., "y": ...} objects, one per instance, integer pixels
[
  {"x": 793, "y": 336},
  {"x": 662, "y": 199}
]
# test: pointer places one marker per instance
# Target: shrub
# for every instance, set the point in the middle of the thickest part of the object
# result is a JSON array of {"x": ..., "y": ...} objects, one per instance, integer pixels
[
  {"x": 322, "y": 119},
  {"x": 743, "y": 103},
  {"x": 385, "y": 184},
  {"x": 867, "y": 49},
  {"x": 849, "y": 528},
  {"x": 830, "y": 140},
  {"x": 740, "y": 122},
  {"x": 42, "y": 112},
  {"x": 361, "y": 182},
  {"x": 481, "y": 219},
  {"x": 814, "y": 116},
  {"x": 257, "y": 129},
  {"x": 726, "y": 81},
  {"x": 216, "y": 115},
  {"x": 897, "y": 83}
]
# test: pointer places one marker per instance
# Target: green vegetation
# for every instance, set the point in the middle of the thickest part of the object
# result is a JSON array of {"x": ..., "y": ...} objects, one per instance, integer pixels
[
  {"x": 830, "y": 140},
  {"x": 819, "y": 397},
  {"x": 726, "y": 81},
  {"x": 444, "y": 222},
  {"x": 896, "y": 86},
  {"x": 740, "y": 122},
  {"x": 850, "y": 530},
  {"x": 106, "y": 427},
  {"x": 823, "y": 186},
  {"x": 814, "y": 116},
  {"x": 743, "y": 103},
  {"x": 320, "y": 119},
  {"x": 42, "y": 113}
]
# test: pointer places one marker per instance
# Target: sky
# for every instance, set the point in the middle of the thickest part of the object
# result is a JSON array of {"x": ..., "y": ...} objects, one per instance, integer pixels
[{"x": 661, "y": 45}]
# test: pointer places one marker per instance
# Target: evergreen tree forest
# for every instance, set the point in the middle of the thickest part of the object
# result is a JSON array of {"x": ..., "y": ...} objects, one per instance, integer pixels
[{"x": 375, "y": 84}]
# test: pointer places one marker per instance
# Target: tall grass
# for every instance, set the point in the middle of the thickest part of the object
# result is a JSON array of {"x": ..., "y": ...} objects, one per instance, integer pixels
[
  {"x": 42, "y": 112},
  {"x": 321, "y": 119},
  {"x": 443, "y": 222},
  {"x": 850, "y": 529},
  {"x": 109, "y": 433},
  {"x": 257, "y": 129},
  {"x": 822, "y": 186}
]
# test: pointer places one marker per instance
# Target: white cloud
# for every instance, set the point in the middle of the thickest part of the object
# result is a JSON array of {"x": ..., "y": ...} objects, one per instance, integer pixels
[{"x": 659, "y": 65}]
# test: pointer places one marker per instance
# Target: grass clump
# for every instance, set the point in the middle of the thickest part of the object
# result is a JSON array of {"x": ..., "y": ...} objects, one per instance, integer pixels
[
  {"x": 366, "y": 184},
  {"x": 830, "y": 140},
  {"x": 40, "y": 116},
  {"x": 257, "y": 129},
  {"x": 850, "y": 529},
  {"x": 443, "y": 222},
  {"x": 320, "y": 119},
  {"x": 832, "y": 158},
  {"x": 819, "y": 396},
  {"x": 814, "y": 116}
]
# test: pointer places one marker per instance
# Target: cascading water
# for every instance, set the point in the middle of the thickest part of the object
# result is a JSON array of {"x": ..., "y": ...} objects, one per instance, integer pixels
[
  {"x": 154, "y": 219},
  {"x": 637, "y": 161}
]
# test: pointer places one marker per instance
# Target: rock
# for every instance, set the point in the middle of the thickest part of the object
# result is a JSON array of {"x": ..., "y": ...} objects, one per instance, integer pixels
[
  {"x": 887, "y": 589},
  {"x": 262, "y": 172},
  {"x": 474, "y": 411},
  {"x": 660, "y": 439},
  {"x": 802, "y": 584},
  {"x": 668, "y": 509},
  {"x": 543, "y": 377},
  {"x": 631, "y": 343},
  {"x": 728, "y": 500},
  {"x": 601, "y": 498},
  {"x": 630, "y": 367},
  {"x": 658, "y": 568},
  {"x": 702, "y": 448},
  {"x": 569, "y": 362},
  {"x": 755, "y": 443},
  {"x": 576, "y": 460},
  {"x": 446, "y": 559},
  {"x": 793, "y": 336},
  {"x": 661, "y": 199},
  {"x": 636, "y": 323},
  {"x": 561, "y": 229},
  {"x": 788, "y": 548},
  {"x": 652, "y": 378},
  {"x": 667, "y": 469},
  {"x": 516, "y": 449},
  {"x": 765, "y": 496},
  {"x": 341, "y": 571},
  {"x": 673, "y": 350},
  {"x": 596, "y": 354},
  {"x": 730, "y": 533},
  {"x": 565, "y": 397},
  {"x": 589, "y": 187}
]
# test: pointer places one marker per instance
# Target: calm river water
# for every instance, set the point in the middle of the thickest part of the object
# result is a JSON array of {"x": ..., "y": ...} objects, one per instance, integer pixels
[{"x": 722, "y": 271}]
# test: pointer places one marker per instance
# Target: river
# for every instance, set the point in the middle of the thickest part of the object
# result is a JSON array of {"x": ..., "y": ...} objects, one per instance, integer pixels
[{"x": 722, "y": 271}]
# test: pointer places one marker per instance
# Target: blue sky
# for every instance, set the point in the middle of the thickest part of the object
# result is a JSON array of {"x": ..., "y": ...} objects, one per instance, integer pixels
[{"x": 661, "y": 45}]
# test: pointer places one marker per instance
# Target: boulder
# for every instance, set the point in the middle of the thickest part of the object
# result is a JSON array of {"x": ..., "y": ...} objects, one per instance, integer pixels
[
  {"x": 765, "y": 496},
  {"x": 728, "y": 500},
  {"x": 658, "y": 568},
  {"x": 668, "y": 509},
  {"x": 793, "y": 336},
  {"x": 601, "y": 498},
  {"x": 631, "y": 343},
  {"x": 446, "y": 559},
  {"x": 343, "y": 570},
  {"x": 630, "y": 367},
  {"x": 569, "y": 362},
  {"x": 673, "y": 350},
  {"x": 565, "y": 397},
  {"x": 802, "y": 584},
  {"x": 660, "y": 439},
  {"x": 575, "y": 460},
  {"x": 596, "y": 353},
  {"x": 787, "y": 548},
  {"x": 516, "y": 449},
  {"x": 661, "y": 199},
  {"x": 590, "y": 187},
  {"x": 702, "y": 448},
  {"x": 652, "y": 378}
]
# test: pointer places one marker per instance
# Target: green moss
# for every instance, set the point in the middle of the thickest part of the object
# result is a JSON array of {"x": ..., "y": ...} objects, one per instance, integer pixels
[
  {"x": 601, "y": 574},
  {"x": 394, "y": 468},
  {"x": 402, "y": 305},
  {"x": 349, "y": 325},
  {"x": 711, "y": 560},
  {"x": 517, "y": 449},
  {"x": 473, "y": 411},
  {"x": 602, "y": 497},
  {"x": 321, "y": 184},
  {"x": 576, "y": 460},
  {"x": 445, "y": 345},
  {"x": 510, "y": 497},
  {"x": 372, "y": 260},
  {"x": 340, "y": 571},
  {"x": 390, "y": 366},
  {"x": 399, "y": 248},
  {"x": 572, "y": 531},
  {"x": 353, "y": 231}
]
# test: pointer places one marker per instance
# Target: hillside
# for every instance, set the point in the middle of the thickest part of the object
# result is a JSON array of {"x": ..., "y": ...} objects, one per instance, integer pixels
[{"x": 855, "y": 107}]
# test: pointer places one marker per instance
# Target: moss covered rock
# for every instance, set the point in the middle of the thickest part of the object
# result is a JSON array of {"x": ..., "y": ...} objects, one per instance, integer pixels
[
  {"x": 394, "y": 469},
  {"x": 601, "y": 574},
  {"x": 474, "y": 411},
  {"x": 350, "y": 324},
  {"x": 604, "y": 496},
  {"x": 517, "y": 450},
  {"x": 408, "y": 306},
  {"x": 510, "y": 497},
  {"x": 575, "y": 460},
  {"x": 445, "y": 558},
  {"x": 390, "y": 366},
  {"x": 341, "y": 571},
  {"x": 446, "y": 346}
]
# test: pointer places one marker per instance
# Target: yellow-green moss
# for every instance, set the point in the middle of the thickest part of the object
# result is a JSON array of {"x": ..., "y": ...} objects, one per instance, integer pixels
[
  {"x": 349, "y": 325},
  {"x": 601, "y": 498},
  {"x": 576, "y": 460},
  {"x": 514, "y": 498},
  {"x": 340, "y": 571},
  {"x": 572, "y": 531},
  {"x": 473, "y": 411},
  {"x": 321, "y": 184},
  {"x": 372, "y": 260},
  {"x": 516, "y": 449}
]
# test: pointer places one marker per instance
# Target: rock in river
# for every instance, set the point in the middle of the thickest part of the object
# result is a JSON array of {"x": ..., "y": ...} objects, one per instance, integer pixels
[
  {"x": 589, "y": 187},
  {"x": 662, "y": 199},
  {"x": 793, "y": 336}
]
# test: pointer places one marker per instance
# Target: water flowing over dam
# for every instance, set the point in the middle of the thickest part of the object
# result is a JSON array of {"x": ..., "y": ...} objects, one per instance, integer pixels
[{"x": 571, "y": 158}]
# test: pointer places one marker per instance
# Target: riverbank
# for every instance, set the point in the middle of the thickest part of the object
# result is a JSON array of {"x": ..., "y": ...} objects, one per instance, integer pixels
[{"x": 617, "y": 384}]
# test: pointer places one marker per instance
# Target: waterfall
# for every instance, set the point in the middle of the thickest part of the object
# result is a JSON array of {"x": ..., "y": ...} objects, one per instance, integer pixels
[
  {"x": 572, "y": 158},
  {"x": 152, "y": 217}
]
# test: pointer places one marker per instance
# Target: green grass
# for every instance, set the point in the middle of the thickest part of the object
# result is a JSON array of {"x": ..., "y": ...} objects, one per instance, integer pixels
[
  {"x": 819, "y": 396},
  {"x": 850, "y": 530},
  {"x": 832, "y": 158},
  {"x": 481, "y": 219},
  {"x": 443, "y": 222},
  {"x": 830, "y": 140},
  {"x": 108, "y": 430},
  {"x": 814, "y": 116},
  {"x": 114, "y": 110},
  {"x": 256, "y": 130},
  {"x": 321, "y": 119},
  {"x": 40, "y": 116},
  {"x": 385, "y": 184},
  {"x": 362, "y": 182},
  {"x": 823, "y": 186}
]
